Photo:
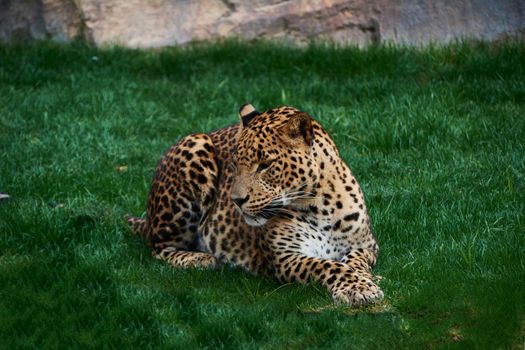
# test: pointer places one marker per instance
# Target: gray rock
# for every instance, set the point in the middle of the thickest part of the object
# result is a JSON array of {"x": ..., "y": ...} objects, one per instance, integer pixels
[{"x": 157, "y": 23}]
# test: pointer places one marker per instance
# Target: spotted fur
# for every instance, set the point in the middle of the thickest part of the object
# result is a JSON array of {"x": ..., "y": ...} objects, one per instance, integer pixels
[{"x": 271, "y": 195}]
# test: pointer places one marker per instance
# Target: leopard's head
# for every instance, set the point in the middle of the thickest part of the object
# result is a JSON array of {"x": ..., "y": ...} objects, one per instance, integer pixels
[{"x": 273, "y": 163}]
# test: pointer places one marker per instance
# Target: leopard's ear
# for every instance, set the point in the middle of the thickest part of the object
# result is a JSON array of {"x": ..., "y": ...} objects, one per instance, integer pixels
[
  {"x": 247, "y": 112},
  {"x": 299, "y": 128}
]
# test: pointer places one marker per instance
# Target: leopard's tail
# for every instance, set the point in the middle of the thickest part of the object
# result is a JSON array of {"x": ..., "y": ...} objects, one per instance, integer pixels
[{"x": 137, "y": 225}]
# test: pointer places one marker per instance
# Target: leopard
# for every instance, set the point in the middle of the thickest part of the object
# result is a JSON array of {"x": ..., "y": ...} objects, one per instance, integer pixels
[{"x": 270, "y": 194}]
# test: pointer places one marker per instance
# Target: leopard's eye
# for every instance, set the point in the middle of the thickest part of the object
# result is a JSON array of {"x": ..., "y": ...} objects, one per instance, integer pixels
[{"x": 264, "y": 165}]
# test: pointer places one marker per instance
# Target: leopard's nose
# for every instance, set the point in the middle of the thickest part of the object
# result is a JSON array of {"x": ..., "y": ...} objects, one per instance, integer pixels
[{"x": 239, "y": 201}]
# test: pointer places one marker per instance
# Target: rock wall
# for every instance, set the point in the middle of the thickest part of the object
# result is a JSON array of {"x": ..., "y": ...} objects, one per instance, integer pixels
[
  {"x": 39, "y": 19},
  {"x": 422, "y": 21},
  {"x": 156, "y": 23}
]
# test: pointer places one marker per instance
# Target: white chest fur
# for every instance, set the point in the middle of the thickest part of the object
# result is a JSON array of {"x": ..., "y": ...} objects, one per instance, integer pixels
[{"x": 322, "y": 242}]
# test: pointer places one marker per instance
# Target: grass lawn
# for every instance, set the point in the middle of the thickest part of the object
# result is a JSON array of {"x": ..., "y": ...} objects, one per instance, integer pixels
[{"x": 436, "y": 137}]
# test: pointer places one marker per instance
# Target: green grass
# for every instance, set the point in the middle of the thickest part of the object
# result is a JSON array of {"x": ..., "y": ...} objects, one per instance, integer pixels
[{"x": 436, "y": 137}]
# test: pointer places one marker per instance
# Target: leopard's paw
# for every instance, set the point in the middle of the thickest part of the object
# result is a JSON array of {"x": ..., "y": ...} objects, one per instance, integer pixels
[
  {"x": 362, "y": 292},
  {"x": 184, "y": 259},
  {"x": 203, "y": 261}
]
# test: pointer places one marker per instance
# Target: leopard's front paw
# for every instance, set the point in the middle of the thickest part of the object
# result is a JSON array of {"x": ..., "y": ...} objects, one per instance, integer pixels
[
  {"x": 204, "y": 261},
  {"x": 184, "y": 259},
  {"x": 362, "y": 292}
]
